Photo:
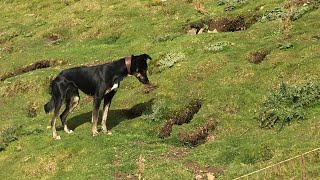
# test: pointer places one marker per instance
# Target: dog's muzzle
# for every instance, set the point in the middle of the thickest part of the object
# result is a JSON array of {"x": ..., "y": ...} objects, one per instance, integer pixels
[{"x": 142, "y": 78}]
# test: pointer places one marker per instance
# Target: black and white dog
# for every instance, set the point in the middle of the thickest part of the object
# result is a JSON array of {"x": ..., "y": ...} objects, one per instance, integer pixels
[{"x": 101, "y": 82}]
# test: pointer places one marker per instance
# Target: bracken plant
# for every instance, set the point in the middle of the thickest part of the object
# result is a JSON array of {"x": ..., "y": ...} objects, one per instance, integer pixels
[{"x": 287, "y": 104}]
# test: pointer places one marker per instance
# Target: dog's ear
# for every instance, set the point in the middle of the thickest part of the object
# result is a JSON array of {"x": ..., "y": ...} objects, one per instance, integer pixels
[{"x": 146, "y": 56}]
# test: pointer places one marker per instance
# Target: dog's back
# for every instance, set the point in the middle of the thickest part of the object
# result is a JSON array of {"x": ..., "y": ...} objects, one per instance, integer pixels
[{"x": 100, "y": 81}]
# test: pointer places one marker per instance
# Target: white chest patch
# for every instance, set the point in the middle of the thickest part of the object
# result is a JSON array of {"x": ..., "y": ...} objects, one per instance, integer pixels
[{"x": 114, "y": 87}]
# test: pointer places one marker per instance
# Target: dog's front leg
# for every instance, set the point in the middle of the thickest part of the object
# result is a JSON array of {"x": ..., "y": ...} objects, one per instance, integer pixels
[
  {"x": 107, "y": 102},
  {"x": 95, "y": 114}
]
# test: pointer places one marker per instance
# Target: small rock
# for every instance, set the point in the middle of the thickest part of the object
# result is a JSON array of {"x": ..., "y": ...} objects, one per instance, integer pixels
[
  {"x": 210, "y": 176},
  {"x": 201, "y": 31},
  {"x": 198, "y": 177},
  {"x": 214, "y": 31},
  {"x": 192, "y": 31}
]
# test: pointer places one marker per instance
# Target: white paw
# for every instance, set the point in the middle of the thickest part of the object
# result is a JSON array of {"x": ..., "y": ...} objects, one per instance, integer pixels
[
  {"x": 107, "y": 132},
  {"x": 57, "y": 138}
]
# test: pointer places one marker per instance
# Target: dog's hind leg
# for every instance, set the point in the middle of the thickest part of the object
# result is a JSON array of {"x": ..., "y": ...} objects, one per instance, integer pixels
[
  {"x": 72, "y": 100},
  {"x": 107, "y": 102},
  {"x": 58, "y": 104},
  {"x": 59, "y": 87}
]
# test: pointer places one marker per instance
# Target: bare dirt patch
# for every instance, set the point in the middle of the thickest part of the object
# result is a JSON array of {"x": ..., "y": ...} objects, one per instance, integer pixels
[
  {"x": 227, "y": 24},
  {"x": 231, "y": 110},
  {"x": 222, "y": 24},
  {"x": 200, "y": 172},
  {"x": 19, "y": 87},
  {"x": 8, "y": 50},
  {"x": 176, "y": 153},
  {"x": 95, "y": 62},
  {"x": 200, "y": 135},
  {"x": 37, "y": 65},
  {"x": 53, "y": 37},
  {"x": 140, "y": 142},
  {"x": 149, "y": 88},
  {"x": 258, "y": 56},
  {"x": 44, "y": 166},
  {"x": 32, "y": 109},
  {"x": 119, "y": 175},
  {"x": 183, "y": 116}
]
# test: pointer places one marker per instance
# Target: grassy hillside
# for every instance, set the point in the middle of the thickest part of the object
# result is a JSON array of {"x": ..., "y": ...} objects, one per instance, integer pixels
[{"x": 242, "y": 53}]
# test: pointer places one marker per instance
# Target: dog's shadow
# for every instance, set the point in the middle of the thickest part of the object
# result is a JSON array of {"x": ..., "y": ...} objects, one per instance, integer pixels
[{"x": 114, "y": 116}]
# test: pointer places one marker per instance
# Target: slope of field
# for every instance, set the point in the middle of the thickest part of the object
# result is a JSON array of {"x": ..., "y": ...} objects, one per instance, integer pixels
[{"x": 214, "y": 65}]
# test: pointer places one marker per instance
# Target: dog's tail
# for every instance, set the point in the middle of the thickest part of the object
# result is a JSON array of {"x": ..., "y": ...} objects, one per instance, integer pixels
[{"x": 49, "y": 106}]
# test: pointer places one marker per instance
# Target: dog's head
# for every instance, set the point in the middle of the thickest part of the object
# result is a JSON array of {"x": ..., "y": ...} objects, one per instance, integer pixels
[{"x": 139, "y": 67}]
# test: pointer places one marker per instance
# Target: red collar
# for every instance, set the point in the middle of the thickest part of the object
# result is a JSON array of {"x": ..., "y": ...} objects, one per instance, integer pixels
[{"x": 128, "y": 64}]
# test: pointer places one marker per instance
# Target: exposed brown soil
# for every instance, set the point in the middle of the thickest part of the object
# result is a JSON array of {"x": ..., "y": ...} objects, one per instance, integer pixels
[
  {"x": 149, "y": 88},
  {"x": 258, "y": 56},
  {"x": 289, "y": 4},
  {"x": 227, "y": 24},
  {"x": 32, "y": 67},
  {"x": 32, "y": 109},
  {"x": 8, "y": 49},
  {"x": 140, "y": 142},
  {"x": 53, "y": 37},
  {"x": 176, "y": 153},
  {"x": 94, "y": 63},
  {"x": 231, "y": 110},
  {"x": 166, "y": 129},
  {"x": 222, "y": 24},
  {"x": 204, "y": 172},
  {"x": 181, "y": 117},
  {"x": 19, "y": 87},
  {"x": 200, "y": 135},
  {"x": 119, "y": 175}
]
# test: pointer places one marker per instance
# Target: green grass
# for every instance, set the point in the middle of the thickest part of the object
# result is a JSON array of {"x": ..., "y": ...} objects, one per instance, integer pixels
[{"x": 231, "y": 88}]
